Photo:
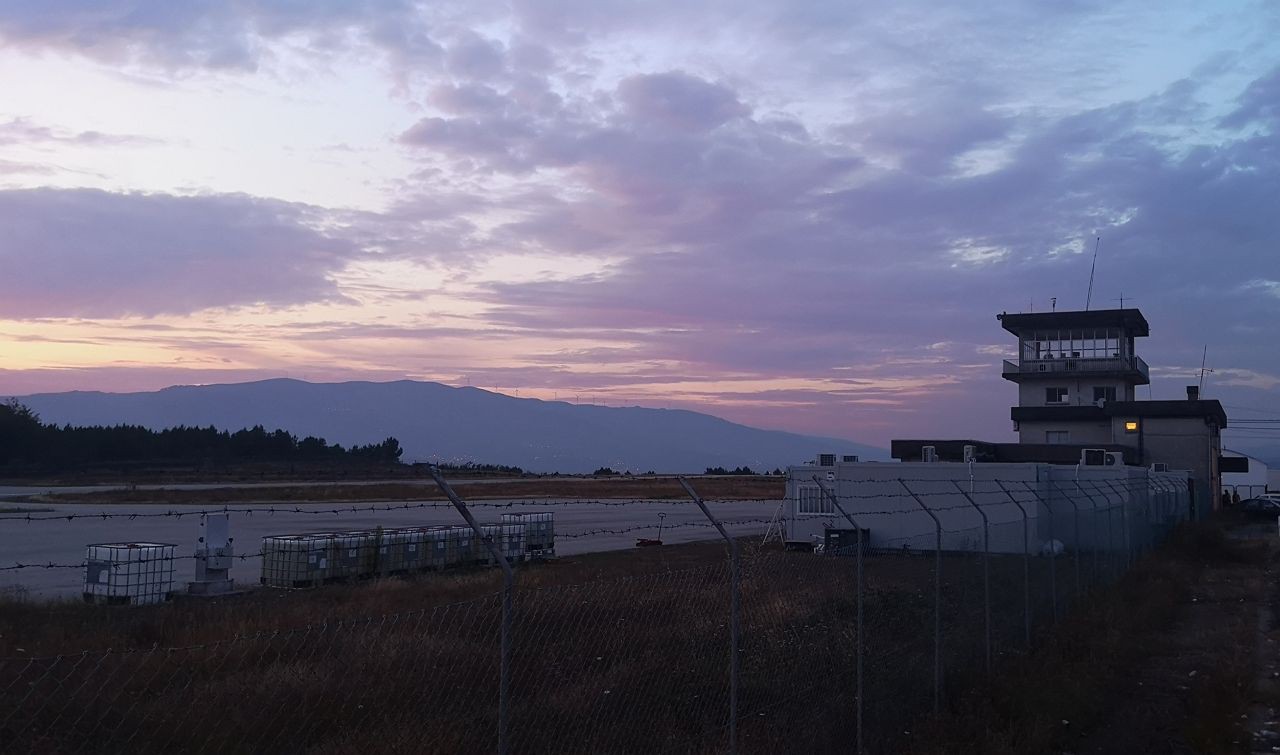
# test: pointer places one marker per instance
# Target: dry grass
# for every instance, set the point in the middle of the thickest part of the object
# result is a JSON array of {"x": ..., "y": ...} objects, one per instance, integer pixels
[
  {"x": 627, "y": 652},
  {"x": 1160, "y": 662},
  {"x": 634, "y": 660}
]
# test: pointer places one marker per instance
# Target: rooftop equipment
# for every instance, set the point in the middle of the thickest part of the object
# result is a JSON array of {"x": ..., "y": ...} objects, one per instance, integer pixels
[{"x": 1100, "y": 457}]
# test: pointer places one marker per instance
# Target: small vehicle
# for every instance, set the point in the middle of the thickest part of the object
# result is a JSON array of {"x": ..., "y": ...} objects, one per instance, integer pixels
[{"x": 1266, "y": 503}]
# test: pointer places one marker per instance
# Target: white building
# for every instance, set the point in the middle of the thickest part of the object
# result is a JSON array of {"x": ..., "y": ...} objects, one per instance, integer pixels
[{"x": 902, "y": 506}]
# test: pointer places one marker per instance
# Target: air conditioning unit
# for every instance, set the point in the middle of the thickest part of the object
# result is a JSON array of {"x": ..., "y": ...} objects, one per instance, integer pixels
[
  {"x": 826, "y": 460},
  {"x": 929, "y": 454},
  {"x": 1160, "y": 466},
  {"x": 1093, "y": 457},
  {"x": 970, "y": 454}
]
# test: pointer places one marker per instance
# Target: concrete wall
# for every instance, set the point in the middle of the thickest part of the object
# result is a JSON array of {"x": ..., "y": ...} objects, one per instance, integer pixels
[
  {"x": 1183, "y": 443},
  {"x": 1100, "y": 507},
  {"x": 1081, "y": 432}
]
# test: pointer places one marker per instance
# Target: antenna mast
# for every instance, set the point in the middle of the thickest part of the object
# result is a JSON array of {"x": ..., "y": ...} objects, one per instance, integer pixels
[
  {"x": 1088, "y": 298},
  {"x": 1203, "y": 369}
]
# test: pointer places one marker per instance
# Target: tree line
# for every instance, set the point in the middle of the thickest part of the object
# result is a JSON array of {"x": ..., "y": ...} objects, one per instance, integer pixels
[{"x": 27, "y": 441}]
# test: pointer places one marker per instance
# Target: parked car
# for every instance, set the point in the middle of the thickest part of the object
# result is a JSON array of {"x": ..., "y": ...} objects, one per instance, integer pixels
[{"x": 1266, "y": 503}]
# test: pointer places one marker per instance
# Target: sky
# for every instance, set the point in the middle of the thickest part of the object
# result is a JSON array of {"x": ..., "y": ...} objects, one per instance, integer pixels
[{"x": 801, "y": 216}]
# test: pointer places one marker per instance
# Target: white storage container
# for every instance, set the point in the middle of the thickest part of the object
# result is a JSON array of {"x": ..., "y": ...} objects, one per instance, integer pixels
[
  {"x": 512, "y": 543},
  {"x": 135, "y": 574},
  {"x": 539, "y": 532},
  {"x": 399, "y": 551},
  {"x": 295, "y": 560}
]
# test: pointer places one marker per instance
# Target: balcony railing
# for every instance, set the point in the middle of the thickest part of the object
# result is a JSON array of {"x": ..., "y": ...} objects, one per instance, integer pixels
[{"x": 1077, "y": 364}]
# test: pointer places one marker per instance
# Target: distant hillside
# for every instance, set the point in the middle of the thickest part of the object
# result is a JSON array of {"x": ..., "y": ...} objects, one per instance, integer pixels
[{"x": 440, "y": 423}]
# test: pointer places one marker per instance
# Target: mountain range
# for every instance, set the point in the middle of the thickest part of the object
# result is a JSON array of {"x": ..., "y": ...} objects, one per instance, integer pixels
[{"x": 436, "y": 422}]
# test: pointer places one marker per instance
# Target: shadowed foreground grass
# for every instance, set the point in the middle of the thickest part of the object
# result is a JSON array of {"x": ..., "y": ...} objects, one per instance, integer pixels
[{"x": 620, "y": 652}]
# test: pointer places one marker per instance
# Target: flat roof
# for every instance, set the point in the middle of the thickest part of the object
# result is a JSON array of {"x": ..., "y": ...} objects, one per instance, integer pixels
[
  {"x": 1208, "y": 408},
  {"x": 1131, "y": 320}
]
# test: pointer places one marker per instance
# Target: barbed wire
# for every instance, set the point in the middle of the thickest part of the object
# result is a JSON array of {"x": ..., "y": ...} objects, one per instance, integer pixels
[
  {"x": 272, "y": 509},
  {"x": 246, "y": 556}
]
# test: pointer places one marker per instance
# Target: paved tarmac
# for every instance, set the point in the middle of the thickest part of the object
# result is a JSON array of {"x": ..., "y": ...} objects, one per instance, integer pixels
[{"x": 62, "y": 541}]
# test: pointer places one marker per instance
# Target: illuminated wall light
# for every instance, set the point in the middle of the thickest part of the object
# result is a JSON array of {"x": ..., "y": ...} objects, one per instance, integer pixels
[{"x": 1131, "y": 426}]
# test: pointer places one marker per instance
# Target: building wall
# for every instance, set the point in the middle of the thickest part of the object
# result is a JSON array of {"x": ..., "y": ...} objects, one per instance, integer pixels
[
  {"x": 1080, "y": 432},
  {"x": 1184, "y": 443},
  {"x": 1079, "y": 390}
]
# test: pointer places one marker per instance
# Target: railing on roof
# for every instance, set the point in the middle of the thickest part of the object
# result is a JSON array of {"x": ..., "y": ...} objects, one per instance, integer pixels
[{"x": 1077, "y": 364}]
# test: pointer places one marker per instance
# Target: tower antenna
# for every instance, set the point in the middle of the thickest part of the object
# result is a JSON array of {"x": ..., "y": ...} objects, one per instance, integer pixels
[
  {"x": 1204, "y": 369},
  {"x": 1089, "y": 297}
]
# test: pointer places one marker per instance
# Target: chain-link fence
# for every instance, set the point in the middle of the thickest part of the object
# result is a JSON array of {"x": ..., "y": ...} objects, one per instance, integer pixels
[{"x": 851, "y": 647}]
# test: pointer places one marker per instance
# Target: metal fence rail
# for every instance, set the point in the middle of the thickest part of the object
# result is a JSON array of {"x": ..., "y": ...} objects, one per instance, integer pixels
[{"x": 763, "y": 651}]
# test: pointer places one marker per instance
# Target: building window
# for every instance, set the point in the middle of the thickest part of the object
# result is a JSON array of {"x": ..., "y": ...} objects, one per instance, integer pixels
[
  {"x": 1055, "y": 395},
  {"x": 1057, "y": 436},
  {"x": 810, "y": 500},
  {"x": 1104, "y": 393}
]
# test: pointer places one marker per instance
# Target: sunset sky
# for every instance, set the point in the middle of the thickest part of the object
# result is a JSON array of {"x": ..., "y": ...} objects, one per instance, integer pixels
[{"x": 802, "y": 216}]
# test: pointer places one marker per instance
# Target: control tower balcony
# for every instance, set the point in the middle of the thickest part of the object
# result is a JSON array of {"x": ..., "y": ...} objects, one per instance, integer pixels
[{"x": 1131, "y": 369}]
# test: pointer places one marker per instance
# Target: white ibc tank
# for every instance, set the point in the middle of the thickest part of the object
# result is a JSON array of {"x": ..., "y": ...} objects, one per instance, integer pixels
[{"x": 135, "y": 574}]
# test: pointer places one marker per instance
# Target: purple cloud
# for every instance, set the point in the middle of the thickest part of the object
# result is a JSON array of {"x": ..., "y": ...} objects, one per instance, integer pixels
[
  {"x": 678, "y": 101},
  {"x": 83, "y": 252},
  {"x": 229, "y": 36},
  {"x": 24, "y": 131},
  {"x": 838, "y": 192}
]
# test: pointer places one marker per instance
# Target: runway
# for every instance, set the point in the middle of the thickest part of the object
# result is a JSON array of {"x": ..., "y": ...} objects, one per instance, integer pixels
[{"x": 62, "y": 541}]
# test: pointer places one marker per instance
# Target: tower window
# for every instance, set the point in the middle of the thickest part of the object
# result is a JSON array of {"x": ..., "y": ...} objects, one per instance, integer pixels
[
  {"x": 1104, "y": 393},
  {"x": 1057, "y": 436},
  {"x": 1055, "y": 395}
]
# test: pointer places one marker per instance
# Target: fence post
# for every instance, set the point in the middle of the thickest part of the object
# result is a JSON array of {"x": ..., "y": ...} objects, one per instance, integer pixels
[
  {"x": 835, "y": 501},
  {"x": 1094, "y": 532},
  {"x": 1111, "y": 539},
  {"x": 1168, "y": 504},
  {"x": 734, "y": 627},
  {"x": 1075, "y": 535},
  {"x": 937, "y": 598},
  {"x": 1123, "y": 536},
  {"x": 1125, "y": 531},
  {"x": 1053, "y": 555},
  {"x": 508, "y": 587},
  {"x": 1026, "y": 564},
  {"x": 986, "y": 570}
]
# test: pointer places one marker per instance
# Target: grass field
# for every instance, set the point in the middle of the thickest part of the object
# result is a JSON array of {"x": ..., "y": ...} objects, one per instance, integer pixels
[{"x": 616, "y": 652}]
